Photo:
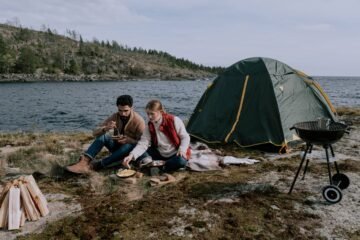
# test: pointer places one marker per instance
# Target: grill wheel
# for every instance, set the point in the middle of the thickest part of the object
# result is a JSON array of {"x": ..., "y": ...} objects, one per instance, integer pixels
[
  {"x": 332, "y": 194},
  {"x": 341, "y": 180}
]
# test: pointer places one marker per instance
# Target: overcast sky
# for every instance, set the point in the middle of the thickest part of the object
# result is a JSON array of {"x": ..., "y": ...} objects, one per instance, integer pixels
[{"x": 319, "y": 37}]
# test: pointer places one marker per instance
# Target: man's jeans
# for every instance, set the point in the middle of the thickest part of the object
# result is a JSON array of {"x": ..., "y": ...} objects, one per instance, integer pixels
[
  {"x": 118, "y": 151},
  {"x": 172, "y": 163}
]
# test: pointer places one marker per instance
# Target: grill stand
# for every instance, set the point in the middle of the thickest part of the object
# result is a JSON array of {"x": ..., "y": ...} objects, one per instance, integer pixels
[
  {"x": 312, "y": 133},
  {"x": 332, "y": 193}
]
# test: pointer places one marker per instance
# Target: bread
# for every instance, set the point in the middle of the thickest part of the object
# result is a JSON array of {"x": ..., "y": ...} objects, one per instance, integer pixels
[{"x": 125, "y": 173}]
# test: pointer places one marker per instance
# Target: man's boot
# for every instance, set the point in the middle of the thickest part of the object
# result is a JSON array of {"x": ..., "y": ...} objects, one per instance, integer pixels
[
  {"x": 96, "y": 165},
  {"x": 81, "y": 167}
]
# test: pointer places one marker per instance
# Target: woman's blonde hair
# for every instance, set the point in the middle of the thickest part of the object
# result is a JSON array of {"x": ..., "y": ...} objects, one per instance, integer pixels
[{"x": 155, "y": 105}]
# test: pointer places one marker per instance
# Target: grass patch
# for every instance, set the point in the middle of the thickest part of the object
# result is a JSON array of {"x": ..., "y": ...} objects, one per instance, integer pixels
[
  {"x": 348, "y": 111},
  {"x": 193, "y": 208},
  {"x": 185, "y": 209},
  {"x": 17, "y": 139}
]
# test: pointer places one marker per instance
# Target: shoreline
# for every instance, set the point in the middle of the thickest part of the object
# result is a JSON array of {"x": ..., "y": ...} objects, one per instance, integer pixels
[
  {"x": 30, "y": 78},
  {"x": 62, "y": 77},
  {"x": 351, "y": 114}
]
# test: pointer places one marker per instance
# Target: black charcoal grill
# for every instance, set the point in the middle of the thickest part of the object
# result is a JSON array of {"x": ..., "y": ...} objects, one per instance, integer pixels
[{"x": 323, "y": 133}]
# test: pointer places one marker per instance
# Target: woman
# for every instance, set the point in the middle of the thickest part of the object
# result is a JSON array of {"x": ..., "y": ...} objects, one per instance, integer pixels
[{"x": 167, "y": 137}]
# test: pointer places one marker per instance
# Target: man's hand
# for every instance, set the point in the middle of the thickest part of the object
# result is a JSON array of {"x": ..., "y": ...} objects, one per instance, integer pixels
[
  {"x": 127, "y": 160},
  {"x": 126, "y": 140},
  {"x": 181, "y": 154},
  {"x": 110, "y": 125},
  {"x": 123, "y": 139}
]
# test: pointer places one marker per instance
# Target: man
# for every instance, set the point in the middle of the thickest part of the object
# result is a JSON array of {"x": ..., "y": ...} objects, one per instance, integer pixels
[{"x": 127, "y": 126}]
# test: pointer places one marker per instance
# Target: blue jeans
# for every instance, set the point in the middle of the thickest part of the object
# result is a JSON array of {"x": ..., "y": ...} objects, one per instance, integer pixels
[
  {"x": 172, "y": 163},
  {"x": 118, "y": 151}
]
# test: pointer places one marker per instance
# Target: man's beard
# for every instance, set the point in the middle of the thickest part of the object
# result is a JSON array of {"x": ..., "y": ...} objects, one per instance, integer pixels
[{"x": 123, "y": 118}]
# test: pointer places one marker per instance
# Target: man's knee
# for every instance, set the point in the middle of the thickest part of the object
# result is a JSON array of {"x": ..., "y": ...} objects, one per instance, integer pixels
[{"x": 101, "y": 138}]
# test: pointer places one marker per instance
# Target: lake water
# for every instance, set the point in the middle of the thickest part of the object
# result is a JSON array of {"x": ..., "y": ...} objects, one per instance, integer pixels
[{"x": 80, "y": 106}]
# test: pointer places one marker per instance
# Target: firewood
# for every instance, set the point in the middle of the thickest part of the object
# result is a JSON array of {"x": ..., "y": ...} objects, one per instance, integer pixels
[
  {"x": 4, "y": 212},
  {"x": 22, "y": 218},
  {"x": 5, "y": 191},
  {"x": 37, "y": 196},
  {"x": 15, "y": 182},
  {"x": 21, "y": 200},
  {"x": 23, "y": 209},
  {"x": 14, "y": 213},
  {"x": 28, "y": 203}
]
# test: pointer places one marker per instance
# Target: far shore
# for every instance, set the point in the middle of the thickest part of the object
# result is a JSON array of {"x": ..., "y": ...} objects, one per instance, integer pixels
[{"x": 15, "y": 77}]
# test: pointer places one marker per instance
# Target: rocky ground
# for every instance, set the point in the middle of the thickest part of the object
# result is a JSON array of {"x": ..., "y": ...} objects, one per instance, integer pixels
[{"x": 246, "y": 202}]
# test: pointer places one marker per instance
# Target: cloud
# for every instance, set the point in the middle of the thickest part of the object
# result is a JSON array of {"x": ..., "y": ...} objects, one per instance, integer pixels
[
  {"x": 70, "y": 13},
  {"x": 212, "y": 32},
  {"x": 315, "y": 27}
]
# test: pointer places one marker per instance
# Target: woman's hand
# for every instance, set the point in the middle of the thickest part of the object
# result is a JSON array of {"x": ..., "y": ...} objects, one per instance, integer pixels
[
  {"x": 181, "y": 154},
  {"x": 127, "y": 160}
]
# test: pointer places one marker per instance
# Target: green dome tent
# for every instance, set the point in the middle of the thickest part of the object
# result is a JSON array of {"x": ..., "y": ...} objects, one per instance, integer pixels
[{"x": 255, "y": 101}]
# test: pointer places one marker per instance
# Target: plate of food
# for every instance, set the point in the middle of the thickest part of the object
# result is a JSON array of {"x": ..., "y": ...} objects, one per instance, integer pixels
[
  {"x": 124, "y": 173},
  {"x": 157, "y": 163}
]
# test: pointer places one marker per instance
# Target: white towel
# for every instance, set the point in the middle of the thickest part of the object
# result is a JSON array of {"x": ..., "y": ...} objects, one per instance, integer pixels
[{"x": 233, "y": 160}]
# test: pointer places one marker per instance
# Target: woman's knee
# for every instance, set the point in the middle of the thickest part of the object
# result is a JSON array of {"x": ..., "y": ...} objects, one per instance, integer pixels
[
  {"x": 175, "y": 163},
  {"x": 182, "y": 162}
]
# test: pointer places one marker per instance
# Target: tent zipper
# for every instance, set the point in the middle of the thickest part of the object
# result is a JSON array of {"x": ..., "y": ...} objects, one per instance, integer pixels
[{"x": 239, "y": 110}]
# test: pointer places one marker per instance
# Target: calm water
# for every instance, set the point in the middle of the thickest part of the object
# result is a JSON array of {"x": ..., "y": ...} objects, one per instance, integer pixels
[{"x": 70, "y": 106}]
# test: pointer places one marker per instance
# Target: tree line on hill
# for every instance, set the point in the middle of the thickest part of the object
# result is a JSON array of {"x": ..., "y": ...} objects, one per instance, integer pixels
[{"x": 23, "y": 50}]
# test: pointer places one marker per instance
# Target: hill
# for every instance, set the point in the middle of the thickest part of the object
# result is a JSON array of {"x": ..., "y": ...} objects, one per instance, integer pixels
[{"x": 30, "y": 55}]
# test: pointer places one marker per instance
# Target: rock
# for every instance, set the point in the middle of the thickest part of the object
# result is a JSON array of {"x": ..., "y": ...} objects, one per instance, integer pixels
[
  {"x": 114, "y": 177},
  {"x": 163, "y": 178},
  {"x": 154, "y": 171},
  {"x": 310, "y": 200},
  {"x": 275, "y": 207},
  {"x": 302, "y": 230},
  {"x": 170, "y": 178},
  {"x": 130, "y": 180},
  {"x": 12, "y": 171},
  {"x": 139, "y": 174}
]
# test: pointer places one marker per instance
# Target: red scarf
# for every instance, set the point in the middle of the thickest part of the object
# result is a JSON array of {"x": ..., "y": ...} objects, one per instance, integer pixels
[{"x": 167, "y": 126}]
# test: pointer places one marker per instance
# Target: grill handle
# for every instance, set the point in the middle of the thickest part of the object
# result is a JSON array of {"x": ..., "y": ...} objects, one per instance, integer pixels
[
  {"x": 292, "y": 128},
  {"x": 348, "y": 129}
]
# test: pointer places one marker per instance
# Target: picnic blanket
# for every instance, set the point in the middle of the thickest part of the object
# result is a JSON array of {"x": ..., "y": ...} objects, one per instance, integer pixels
[
  {"x": 205, "y": 159},
  {"x": 233, "y": 160}
]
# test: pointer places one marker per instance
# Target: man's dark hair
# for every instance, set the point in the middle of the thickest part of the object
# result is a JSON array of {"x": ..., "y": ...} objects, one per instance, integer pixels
[{"x": 124, "y": 100}]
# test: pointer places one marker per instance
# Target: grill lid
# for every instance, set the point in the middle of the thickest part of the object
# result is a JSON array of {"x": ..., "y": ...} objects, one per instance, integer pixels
[
  {"x": 318, "y": 133},
  {"x": 315, "y": 126}
]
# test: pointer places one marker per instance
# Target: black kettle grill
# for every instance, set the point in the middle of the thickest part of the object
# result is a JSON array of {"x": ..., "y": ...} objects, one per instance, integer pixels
[{"x": 325, "y": 134}]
